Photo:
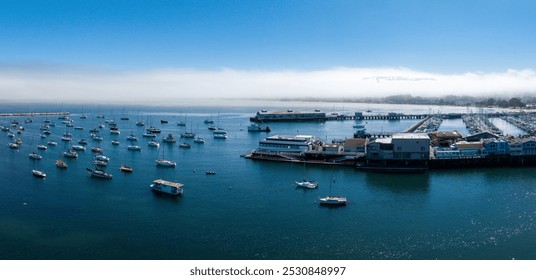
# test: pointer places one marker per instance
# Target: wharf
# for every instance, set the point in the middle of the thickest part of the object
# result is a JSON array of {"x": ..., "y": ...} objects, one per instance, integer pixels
[
  {"x": 282, "y": 158},
  {"x": 34, "y": 114}
]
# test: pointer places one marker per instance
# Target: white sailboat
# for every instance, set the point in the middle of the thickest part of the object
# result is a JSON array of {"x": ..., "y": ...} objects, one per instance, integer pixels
[
  {"x": 332, "y": 200},
  {"x": 165, "y": 162},
  {"x": 307, "y": 184}
]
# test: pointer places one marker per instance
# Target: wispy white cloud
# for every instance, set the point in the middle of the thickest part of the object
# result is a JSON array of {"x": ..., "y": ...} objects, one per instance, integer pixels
[{"x": 60, "y": 84}]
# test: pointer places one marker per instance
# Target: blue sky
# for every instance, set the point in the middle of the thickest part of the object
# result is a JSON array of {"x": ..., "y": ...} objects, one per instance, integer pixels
[
  {"x": 451, "y": 36},
  {"x": 440, "y": 37}
]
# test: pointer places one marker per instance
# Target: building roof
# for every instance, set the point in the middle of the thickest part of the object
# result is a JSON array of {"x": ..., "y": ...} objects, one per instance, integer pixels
[
  {"x": 447, "y": 134},
  {"x": 482, "y": 135},
  {"x": 355, "y": 142},
  {"x": 469, "y": 145},
  {"x": 422, "y": 136}
]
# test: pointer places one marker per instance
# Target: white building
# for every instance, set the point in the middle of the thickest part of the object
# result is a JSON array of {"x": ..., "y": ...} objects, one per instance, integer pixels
[{"x": 287, "y": 144}]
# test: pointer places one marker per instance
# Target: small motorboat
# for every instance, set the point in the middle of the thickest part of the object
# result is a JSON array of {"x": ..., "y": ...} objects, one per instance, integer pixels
[
  {"x": 125, "y": 168},
  {"x": 39, "y": 174}
]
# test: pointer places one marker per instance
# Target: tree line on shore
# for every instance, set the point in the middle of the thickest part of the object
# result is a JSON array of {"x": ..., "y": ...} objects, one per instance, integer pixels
[{"x": 450, "y": 100}]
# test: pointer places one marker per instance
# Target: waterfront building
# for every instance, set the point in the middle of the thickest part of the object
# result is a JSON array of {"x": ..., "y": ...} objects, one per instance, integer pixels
[
  {"x": 355, "y": 145},
  {"x": 402, "y": 146},
  {"x": 444, "y": 138},
  {"x": 529, "y": 146},
  {"x": 446, "y": 152},
  {"x": 298, "y": 144},
  {"x": 333, "y": 149},
  {"x": 495, "y": 147},
  {"x": 516, "y": 147},
  {"x": 470, "y": 149}
]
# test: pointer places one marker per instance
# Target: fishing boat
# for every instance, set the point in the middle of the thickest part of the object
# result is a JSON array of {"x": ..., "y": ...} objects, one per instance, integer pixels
[
  {"x": 39, "y": 174},
  {"x": 163, "y": 186},
  {"x": 99, "y": 173},
  {"x": 125, "y": 168},
  {"x": 61, "y": 164},
  {"x": 258, "y": 128}
]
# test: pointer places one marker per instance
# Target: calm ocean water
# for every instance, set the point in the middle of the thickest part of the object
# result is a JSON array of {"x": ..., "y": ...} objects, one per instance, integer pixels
[{"x": 250, "y": 209}]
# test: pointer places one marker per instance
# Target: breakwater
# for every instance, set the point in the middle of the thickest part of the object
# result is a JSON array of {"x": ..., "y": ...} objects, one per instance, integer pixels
[{"x": 30, "y": 114}]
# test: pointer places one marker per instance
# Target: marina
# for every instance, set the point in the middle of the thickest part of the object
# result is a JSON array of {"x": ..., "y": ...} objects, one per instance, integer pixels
[{"x": 374, "y": 201}]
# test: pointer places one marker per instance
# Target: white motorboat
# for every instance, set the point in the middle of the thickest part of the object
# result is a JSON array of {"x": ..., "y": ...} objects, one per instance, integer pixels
[
  {"x": 99, "y": 173},
  {"x": 39, "y": 174},
  {"x": 133, "y": 148},
  {"x": 307, "y": 184},
  {"x": 153, "y": 144},
  {"x": 333, "y": 200}
]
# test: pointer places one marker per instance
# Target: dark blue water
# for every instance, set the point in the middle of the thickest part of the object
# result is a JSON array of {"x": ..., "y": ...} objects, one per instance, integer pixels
[{"x": 249, "y": 209}]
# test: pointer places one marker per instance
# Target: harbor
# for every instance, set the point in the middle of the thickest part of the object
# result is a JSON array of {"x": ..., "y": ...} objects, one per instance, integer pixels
[{"x": 76, "y": 209}]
